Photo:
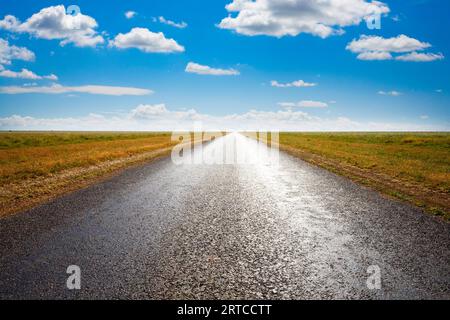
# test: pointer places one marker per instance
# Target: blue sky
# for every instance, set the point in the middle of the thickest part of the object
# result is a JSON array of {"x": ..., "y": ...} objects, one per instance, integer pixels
[{"x": 393, "y": 78}]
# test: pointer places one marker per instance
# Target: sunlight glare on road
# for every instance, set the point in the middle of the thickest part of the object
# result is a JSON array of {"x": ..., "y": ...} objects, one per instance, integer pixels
[{"x": 234, "y": 148}]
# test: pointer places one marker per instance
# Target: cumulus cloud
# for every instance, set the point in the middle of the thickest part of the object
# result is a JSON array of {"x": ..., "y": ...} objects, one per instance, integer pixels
[
  {"x": 55, "y": 23},
  {"x": 374, "y": 55},
  {"x": 52, "y": 77},
  {"x": 91, "y": 89},
  {"x": 26, "y": 74},
  {"x": 379, "y": 48},
  {"x": 130, "y": 14},
  {"x": 146, "y": 110},
  {"x": 179, "y": 25},
  {"x": 193, "y": 67},
  {"x": 420, "y": 57},
  {"x": 390, "y": 93},
  {"x": 304, "y": 104},
  {"x": 9, "y": 53},
  {"x": 146, "y": 41},
  {"x": 280, "y": 18},
  {"x": 159, "y": 117},
  {"x": 400, "y": 43},
  {"x": 298, "y": 84}
]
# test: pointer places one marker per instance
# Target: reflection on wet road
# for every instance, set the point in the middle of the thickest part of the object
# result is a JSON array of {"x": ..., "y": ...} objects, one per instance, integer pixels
[{"x": 260, "y": 228}]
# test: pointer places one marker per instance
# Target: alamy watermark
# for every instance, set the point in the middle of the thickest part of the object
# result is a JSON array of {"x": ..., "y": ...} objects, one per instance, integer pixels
[
  {"x": 373, "y": 282},
  {"x": 74, "y": 280},
  {"x": 373, "y": 22},
  {"x": 74, "y": 11}
]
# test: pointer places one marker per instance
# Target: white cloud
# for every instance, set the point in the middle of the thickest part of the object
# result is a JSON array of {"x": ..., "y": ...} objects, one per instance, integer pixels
[
  {"x": 291, "y": 17},
  {"x": 55, "y": 23},
  {"x": 130, "y": 14},
  {"x": 420, "y": 57},
  {"x": 193, "y": 67},
  {"x": 146, "y": 112},
  {"x": 298, "y": 83},
  {"x": 180, "y": 25},
  {"x": 147, "y": 41},
  {"x": 159, "y": 117},
  {"x": 400, "y": 43},
  {"x": 9, "y": 53},
  {"x": 379, "y": 48},
  {"x": 424, "y": 117},
  {"x": 304, "y": 104},
  {"x": 374, "y": 55},
  {"x": 9, "y": 22},
  {"x": 390, "y": 93},
  {"x": 52, "y": 77},
  {"x": 26, "y": 74},
  {"x": 91, "y": 89}
]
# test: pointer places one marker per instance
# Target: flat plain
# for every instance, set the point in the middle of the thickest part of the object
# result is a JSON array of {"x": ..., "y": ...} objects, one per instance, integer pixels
[
  {"x": 254, "y": 230},
  {"x": 411, "y": 166},
  {"x": 38, "y": 166}
]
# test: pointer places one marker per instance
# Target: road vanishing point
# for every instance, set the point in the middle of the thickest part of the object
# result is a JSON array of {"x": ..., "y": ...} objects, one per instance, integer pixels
[{"x": 225, "y": 231}]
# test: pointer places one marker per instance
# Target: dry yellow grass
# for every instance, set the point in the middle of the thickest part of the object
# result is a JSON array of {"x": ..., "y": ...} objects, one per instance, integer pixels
[
  {"x": 35, "y": 167},
  {"x": 38, "y": 166},
  {"x": 410, "y": 166},
  {"x": 21, "y": 163}
]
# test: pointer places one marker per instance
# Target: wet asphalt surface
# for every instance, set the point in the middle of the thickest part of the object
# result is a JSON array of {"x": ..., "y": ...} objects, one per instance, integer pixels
[{"x": 228, "y": 231}]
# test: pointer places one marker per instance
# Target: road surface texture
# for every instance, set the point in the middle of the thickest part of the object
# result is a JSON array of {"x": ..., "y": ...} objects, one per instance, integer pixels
[{"x": 231, "y": 231}]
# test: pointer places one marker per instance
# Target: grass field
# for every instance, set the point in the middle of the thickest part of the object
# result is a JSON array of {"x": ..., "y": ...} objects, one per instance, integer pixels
[
  {"x": 37, "y": 166},
  {"x": 30, "y": 155},
  {"x": 410, "y": 166}
]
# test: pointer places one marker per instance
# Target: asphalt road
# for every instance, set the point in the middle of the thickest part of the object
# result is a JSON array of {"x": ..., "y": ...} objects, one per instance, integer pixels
[{"x": 230, "y": 231}]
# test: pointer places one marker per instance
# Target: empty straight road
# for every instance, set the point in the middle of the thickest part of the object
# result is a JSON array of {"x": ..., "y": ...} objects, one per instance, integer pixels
[{"x": 229, "y": 231}]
